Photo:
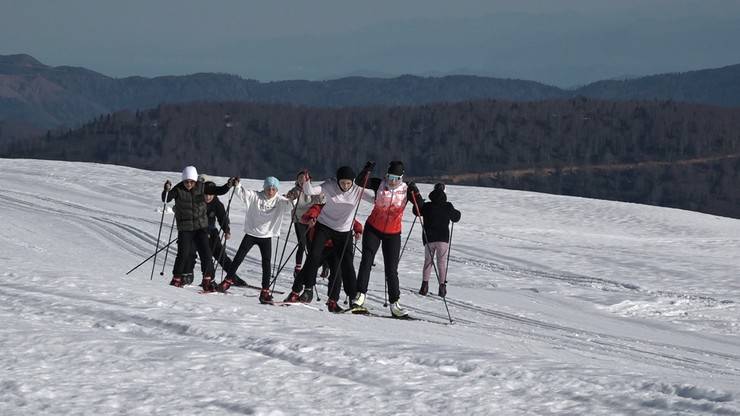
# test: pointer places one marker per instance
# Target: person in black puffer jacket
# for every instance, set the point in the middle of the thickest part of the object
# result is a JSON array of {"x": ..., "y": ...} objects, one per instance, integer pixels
[
  {"x": 192, "y": 223},
  {"x": 437, "y": 214}
]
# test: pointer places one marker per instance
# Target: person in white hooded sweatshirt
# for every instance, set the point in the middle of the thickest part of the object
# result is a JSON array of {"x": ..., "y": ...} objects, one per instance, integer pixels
[
  {"x": 335, "y": 222},
  {"x": 265, "y": 212}
]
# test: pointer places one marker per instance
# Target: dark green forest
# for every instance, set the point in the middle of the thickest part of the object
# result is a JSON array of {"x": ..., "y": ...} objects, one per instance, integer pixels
[{"x": 654, "y": 152}]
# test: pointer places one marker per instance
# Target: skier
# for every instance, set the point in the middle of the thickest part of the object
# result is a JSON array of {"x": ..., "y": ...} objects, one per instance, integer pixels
[
  {"x": 215, "y": 212},
  {"x": 328, "y": 255},
  {"x": 383, "y": 227},
  {"x": 192, "y": 223},
  {"x": 262, "y": 222},
  {"x": 302, "y": 204},
  {"x": 437, "y": 215},
  {"x": 335, "y": 223}
]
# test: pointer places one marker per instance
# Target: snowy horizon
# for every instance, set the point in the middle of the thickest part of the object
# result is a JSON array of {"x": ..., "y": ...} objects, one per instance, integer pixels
[{"x": 561, "y": 305}]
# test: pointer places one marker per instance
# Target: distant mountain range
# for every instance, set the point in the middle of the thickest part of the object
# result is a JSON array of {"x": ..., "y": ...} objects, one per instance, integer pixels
[{"x": 35, "y": 96}]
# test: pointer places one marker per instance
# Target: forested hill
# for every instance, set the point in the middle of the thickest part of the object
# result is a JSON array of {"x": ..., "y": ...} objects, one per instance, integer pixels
[
  {"x": 719, "y": 86},
  {"x": 654, "y": 152}
]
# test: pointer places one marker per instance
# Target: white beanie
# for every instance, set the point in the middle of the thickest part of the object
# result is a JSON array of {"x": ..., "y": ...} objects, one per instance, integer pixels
[{"x": 189, "y": 173}]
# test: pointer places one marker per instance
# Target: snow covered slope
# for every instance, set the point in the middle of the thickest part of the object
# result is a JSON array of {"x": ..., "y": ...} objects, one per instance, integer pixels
[{"x": 561, "y": 306}]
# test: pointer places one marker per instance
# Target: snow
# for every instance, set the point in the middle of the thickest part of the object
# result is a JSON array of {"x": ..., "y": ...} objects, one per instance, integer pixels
[{"x": 561, "y": 305}]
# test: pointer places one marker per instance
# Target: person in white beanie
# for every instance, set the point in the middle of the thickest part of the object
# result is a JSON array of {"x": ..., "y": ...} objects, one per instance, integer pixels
[
  {"x": 192, "y": 223},
  {"x": 263, "y": 220}
]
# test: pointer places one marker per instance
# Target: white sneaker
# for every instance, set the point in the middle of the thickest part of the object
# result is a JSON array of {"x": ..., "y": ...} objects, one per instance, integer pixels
[
  {"x": 397, "y": 310},
  {"x": 359, "y": 299}
]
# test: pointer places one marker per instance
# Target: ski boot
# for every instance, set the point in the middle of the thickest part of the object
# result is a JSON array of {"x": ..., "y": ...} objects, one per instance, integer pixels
[
  {"x": 176, "y": 281},
  {"x": 293, "y": 297},
  {"x": 187, "y": 279},
  {"x": 307, "y": 295},
  {"x": 225, "y": 285},
  {"x": 442, "y": 290},
  {"x": 424, "y": 288},
  {"x": 265, "y": 296},
  {"x": 398, "y": 311},
  {"x": 207, "y": 284},
  {"x": 332, "y": 306}
]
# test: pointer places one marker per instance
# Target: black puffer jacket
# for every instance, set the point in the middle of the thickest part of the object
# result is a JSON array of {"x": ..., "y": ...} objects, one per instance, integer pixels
[
  {"x": 437, "y": 214},
  {"x": 216, "y": 211},
  {"x": 190, "y": 206}
]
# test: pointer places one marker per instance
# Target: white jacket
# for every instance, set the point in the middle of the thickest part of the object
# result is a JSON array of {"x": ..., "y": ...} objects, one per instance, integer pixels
[
  {"x": 264, "y": 216},
  {"x": 340, "y": 206}
]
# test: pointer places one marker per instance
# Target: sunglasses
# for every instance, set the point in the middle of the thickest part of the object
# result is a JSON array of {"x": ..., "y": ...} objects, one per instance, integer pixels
[{"x": 394, "y": 177}]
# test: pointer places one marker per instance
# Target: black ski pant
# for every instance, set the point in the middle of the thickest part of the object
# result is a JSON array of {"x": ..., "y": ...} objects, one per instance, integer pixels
[
  {"x": 334, "y": 285},
  {"x": 187, "y": 242},
  {"x": 265, "y": 246},
  {"x": 217, "y": 249},
  {"x": 303, "y": 243},
  {"x": 372, "y": 239},
  {"x": 345, "y": 270}
]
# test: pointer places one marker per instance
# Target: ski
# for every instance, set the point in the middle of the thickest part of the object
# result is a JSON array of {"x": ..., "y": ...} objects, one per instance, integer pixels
[
  {"x": 357, "y": 310},
  {"x": 406, "y": 318},
  {"x": 248, "y": 286},
  {"x": 280, "y": 303}
]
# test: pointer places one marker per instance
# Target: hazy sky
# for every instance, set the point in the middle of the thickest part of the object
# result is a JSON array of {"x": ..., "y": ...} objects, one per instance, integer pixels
[{"x": 317, "y": 39}]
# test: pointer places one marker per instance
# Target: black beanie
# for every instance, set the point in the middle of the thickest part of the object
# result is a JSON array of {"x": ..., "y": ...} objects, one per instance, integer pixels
[
  {"x": 345, "y": 172},
  {"x": 396, "y": 168},
  {"x": 439, "y": 186},
  {"x": 438, "y": 195}
]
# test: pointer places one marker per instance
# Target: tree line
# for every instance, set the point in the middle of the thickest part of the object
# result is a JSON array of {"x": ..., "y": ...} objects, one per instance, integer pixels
[{"x": 656, "y": 152}]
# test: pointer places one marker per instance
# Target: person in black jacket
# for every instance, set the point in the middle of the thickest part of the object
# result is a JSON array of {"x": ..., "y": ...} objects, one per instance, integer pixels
[
  {"x": 192, "y": 223},
  {"x": 437, "y": 214},
  {"x": 215, "y": 212}
]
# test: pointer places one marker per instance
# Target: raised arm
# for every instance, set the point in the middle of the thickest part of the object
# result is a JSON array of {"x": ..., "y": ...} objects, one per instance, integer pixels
[
  {"x": 310, "y": 189},
  {"x": 372, "y": 183},
  {"x": 167, "y": 193}
]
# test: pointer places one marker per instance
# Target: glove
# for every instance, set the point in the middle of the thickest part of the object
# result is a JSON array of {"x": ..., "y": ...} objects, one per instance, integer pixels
[
  {"x": 369, "y": 166},
  {"x": 412, "y": 187},
  {"x": 167, "y": 185},
  {"x": 233, "y": 181}
]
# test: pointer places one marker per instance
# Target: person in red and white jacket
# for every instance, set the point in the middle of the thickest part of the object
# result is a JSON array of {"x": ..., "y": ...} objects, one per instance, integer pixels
[
  {"x": 329, "y": 255},
  {"x": 383, "y": 228}
]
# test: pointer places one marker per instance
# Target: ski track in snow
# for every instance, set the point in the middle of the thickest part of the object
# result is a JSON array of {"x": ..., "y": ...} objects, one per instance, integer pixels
[{"x": 531, "y": 335}]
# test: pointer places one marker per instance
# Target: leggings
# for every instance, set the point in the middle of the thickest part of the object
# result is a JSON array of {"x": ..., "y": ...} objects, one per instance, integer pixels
[
  {"x": 265, "y": 246},
  {"x": 371, "y": 241}
]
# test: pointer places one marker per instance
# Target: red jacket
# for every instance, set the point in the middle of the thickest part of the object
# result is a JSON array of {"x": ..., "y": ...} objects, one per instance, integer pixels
[{"x": 313, "y": 213}]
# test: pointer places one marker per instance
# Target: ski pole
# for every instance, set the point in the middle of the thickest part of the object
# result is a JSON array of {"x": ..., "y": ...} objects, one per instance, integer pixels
[
  {"x": 223, "y": 245},
  {"x": 449, "y": 248},
  {"x": 147, "y": 259},
  {"x": 407, "y": 238},
  {"x": 280, "y": 269},
  {"x": 167, "y": 253},
  {"x": 274, "y": 280},
  {"x": 282, "y": 254},
  {"x": 159, "y": 235},
  {"x": 426, "y": 246}
]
